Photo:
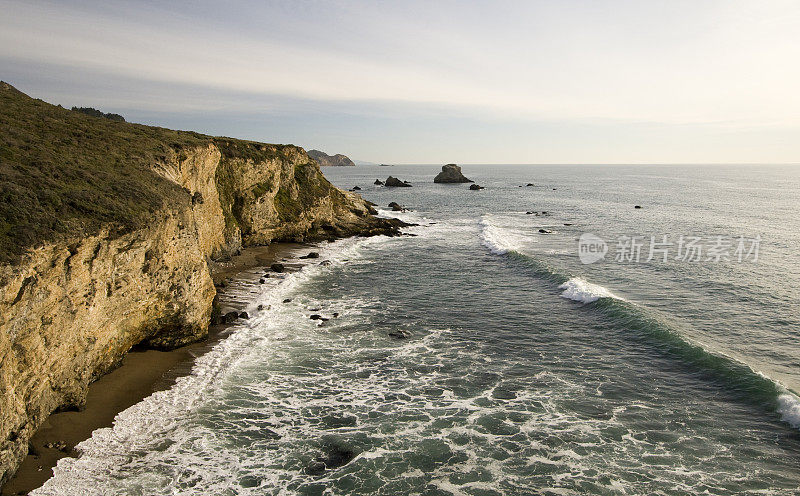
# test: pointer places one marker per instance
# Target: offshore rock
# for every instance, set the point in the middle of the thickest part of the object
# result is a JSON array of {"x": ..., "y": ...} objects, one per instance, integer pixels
[
  {"x": 451, "y": 173},
  {"x": 393, "y": 182}
]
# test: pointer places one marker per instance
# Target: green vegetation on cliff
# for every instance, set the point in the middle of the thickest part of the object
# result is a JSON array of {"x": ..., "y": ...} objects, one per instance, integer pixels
[{"x": 64, "y": 173}]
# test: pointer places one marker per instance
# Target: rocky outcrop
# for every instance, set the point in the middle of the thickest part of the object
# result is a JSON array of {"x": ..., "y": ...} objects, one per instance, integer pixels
[
  {"x": 325, "y": 160},
  {"x": 451, "y": 173},
  {"x": 393, "y": 182},
  {"x": 72, "y": 307}
]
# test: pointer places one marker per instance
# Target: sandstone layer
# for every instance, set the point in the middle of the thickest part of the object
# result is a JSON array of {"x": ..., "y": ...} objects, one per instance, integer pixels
[{"x": 72, "y": 306}]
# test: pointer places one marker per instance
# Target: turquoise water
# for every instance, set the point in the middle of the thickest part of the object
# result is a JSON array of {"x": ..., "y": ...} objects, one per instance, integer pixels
[{"x": 525, "y": 370}]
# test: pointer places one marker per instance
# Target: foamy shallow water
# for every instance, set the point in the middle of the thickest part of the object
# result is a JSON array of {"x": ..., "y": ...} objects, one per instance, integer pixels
[{"x": 521, "y": 375}]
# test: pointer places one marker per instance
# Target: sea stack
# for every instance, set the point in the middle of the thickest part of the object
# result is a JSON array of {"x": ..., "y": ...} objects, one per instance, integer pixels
[{"x": 451, "y": 173}]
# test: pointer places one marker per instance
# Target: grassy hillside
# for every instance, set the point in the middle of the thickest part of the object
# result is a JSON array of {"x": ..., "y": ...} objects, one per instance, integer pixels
[{"x": 64, "y": 172}]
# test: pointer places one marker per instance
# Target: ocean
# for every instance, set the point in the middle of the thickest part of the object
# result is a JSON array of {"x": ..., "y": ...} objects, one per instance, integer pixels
[{"x": 545, "y": 339}]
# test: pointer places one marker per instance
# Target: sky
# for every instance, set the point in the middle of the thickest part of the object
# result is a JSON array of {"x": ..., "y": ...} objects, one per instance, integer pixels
[{"x": 622, "y": 81}]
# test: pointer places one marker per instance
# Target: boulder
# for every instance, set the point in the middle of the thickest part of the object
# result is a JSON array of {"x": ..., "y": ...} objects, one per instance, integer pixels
[
  {"x": 287, "y": 300},
  {"x": 378, "y": 182},
  {"x": 393, "y": 182},
  {"x": 637, "y": 206},
  {"x": 277, "y": 267},
  {"x": 356, "y": 188},
  {"x": 529, "y": 184},
  {"x": 451, "y": 173},
  {"x": 545, "y": 231},
  {"x": 244, "y": 315},
  {"x": 396, "y": 207},
  {"x": 311, "y": 254},
  {"x": 230, "y": 317},
  {"x": 475, "y": 187},
  {"x": 317, "y": 316}
]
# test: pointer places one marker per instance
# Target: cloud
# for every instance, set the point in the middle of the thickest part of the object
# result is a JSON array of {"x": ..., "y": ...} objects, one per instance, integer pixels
[
  {"x": 602, "y": 71},
  {"x": 728, "y": 64}
]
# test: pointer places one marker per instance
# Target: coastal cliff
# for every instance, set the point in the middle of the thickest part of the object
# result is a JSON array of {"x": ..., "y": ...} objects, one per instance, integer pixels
[
  {"x": 106, "y": 235},
  {"x": 326, "y": 160}
]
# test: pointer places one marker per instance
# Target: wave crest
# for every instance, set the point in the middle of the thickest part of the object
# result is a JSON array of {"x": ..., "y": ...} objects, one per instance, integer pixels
[{"x": 577, "y": 289}]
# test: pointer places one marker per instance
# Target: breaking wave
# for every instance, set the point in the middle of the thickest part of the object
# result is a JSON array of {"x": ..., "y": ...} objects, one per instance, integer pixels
[{"x": 653, "y": 327}]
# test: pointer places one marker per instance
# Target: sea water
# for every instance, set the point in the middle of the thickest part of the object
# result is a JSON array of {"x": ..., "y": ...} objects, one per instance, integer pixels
[{"x": 525, "y": 370}]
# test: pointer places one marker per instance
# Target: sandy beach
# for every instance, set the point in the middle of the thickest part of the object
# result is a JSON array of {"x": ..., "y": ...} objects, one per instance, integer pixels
[{"x": 142, "y": 372}]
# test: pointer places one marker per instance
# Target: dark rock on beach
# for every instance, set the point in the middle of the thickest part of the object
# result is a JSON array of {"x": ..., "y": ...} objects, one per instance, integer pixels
[
  {"x": 393, "y": 182},
  {"x": 451, "y": 173}
]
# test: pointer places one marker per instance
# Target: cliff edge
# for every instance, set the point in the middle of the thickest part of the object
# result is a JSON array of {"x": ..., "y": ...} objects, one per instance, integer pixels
[{"x": 106, "y": 232}]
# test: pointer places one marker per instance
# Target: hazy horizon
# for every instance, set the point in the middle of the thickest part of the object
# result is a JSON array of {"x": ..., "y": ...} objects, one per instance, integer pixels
[{"x": 617, "y": 82}]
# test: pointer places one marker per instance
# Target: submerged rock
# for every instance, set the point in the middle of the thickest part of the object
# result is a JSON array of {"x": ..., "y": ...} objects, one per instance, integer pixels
[
  {"x": 400, "y": 334},
  {"x": 311, "y": 254},
  {"x": 637, "y": 206},
  {"x": 545, "y": 231},
  {"x": 396, "y": 183},
  {"x": 451, "y": 173},
  {"x": 530, "y": 184}
]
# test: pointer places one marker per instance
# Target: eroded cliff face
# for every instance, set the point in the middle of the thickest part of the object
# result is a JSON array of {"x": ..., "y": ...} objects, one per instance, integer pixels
[{"x": 70, "y": 311}]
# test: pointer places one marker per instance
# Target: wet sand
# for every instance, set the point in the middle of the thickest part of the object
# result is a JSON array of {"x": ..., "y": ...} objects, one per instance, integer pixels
[{"x": 142, "y": 373}]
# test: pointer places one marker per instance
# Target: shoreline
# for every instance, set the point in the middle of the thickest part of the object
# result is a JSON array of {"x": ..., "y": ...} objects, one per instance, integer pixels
[{"x": 141, "y": 373}]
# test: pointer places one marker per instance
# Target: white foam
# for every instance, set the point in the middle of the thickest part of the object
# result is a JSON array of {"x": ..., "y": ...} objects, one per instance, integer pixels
[
  {"x": 501, "y": 240},
  {"x": 789, "y": 408},
  {"x": 146, "y": 425},
  {"x": 577, "y": 289}
]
